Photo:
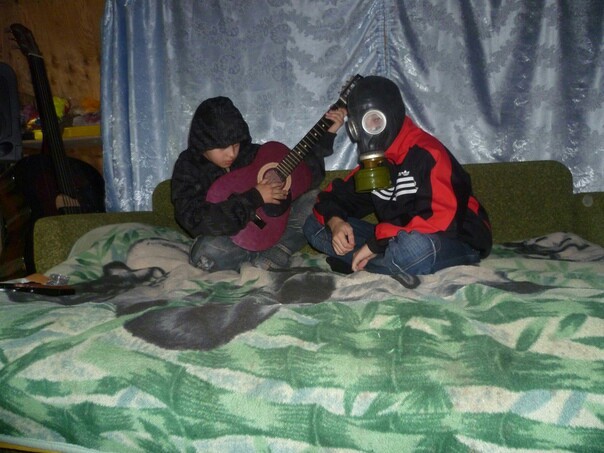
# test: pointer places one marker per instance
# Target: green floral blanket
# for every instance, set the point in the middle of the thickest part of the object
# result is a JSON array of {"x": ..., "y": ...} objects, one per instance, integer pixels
[{"x": 153, "y": 355}]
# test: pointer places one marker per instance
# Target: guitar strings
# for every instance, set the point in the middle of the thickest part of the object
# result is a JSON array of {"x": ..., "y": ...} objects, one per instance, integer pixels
[
  {"x": 291, "y": 161},
  {"x": 50, "y": 126}
]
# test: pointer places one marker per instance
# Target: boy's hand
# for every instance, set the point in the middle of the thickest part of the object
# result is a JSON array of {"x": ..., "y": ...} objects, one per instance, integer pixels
[
  {"x": 361, "y": 257},
  {"x": 342, "y": 235},
  {"x": 271, "y": 192},
  {"x": 337, "y": 116}
]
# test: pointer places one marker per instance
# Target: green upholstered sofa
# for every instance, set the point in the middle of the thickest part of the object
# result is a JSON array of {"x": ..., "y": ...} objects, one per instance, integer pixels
[{"x": 524, "y": 200}]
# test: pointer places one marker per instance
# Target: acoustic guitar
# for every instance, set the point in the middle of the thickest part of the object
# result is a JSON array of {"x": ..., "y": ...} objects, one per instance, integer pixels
[
  {"x": 277, "y": 163},
  {"x": 51, "y": 182}
]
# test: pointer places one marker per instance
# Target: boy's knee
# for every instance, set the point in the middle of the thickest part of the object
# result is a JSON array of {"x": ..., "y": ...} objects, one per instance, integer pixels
[
  {"x": 413, "y": 253},
  {"x": 308, "y": 224}
]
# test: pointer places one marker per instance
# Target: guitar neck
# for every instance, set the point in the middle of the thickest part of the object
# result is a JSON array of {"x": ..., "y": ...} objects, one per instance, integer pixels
[
  {"x": 299, "y": 152},
  {"x": 50, "y": 122}
]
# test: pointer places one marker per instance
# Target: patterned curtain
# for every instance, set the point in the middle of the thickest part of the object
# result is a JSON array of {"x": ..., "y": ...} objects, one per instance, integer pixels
[{"x": 494, "y": 80}]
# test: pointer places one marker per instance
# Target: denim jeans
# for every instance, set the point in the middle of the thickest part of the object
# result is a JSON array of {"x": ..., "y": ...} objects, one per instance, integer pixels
[
  {"x": 215, "y": 253},
  {"x": 407, "y": 253}
]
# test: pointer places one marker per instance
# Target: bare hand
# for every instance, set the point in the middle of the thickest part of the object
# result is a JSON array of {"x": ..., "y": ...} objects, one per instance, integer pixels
[
  {"x": 342, "y": 235},
  {"x": 271, "y": 192},
  {"x": 337, "y": 116},
  {"x": 361, "y": 257}
]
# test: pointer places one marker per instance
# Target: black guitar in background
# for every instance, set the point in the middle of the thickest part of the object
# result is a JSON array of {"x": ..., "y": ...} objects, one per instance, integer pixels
[{"x": 51, "y": 182}]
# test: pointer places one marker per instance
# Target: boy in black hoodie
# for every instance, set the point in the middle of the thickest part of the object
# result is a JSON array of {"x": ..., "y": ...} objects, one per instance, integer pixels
[{"x": 220, "y": 141}]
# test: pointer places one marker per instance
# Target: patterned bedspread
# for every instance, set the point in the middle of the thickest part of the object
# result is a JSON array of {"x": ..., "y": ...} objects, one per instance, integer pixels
[{"x": 151, "y": 354}]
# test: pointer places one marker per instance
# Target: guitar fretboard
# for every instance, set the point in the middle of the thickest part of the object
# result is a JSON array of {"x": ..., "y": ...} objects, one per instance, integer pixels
[
  {"x": 299, "y": 152},
  {"x": 289, "y": 163},
  {"x": 50, "y": 123}
]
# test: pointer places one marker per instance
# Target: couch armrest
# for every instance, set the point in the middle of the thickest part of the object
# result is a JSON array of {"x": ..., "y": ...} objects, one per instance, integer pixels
[
  {"x": 54, "y": 236},
  {"x": 588, "y": 218}
]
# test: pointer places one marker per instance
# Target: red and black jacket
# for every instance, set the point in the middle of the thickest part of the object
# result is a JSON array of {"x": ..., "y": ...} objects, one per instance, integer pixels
[{"x": 431, "y": 193}]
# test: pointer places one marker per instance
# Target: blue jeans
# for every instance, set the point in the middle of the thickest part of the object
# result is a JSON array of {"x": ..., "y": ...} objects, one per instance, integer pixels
[
  {"x": 407, "y": 253},
  {"x": 215, "y": 253}
]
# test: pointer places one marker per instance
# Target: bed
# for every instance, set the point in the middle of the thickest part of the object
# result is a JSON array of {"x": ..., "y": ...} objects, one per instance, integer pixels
[{"x": 151, "y": 354}]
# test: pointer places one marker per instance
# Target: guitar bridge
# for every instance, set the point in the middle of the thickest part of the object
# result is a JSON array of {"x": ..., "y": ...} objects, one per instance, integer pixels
[{"x": 258, "y": 221}]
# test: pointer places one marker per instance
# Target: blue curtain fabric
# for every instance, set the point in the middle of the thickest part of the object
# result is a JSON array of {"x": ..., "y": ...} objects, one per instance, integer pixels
[{"x": 494, "y": 80}]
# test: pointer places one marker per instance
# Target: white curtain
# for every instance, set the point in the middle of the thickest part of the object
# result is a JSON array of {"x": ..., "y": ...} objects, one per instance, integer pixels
[{"x": 494, "y": 80}]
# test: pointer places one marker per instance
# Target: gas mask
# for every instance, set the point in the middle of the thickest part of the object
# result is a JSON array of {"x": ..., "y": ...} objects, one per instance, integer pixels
[{"x": 375, "y": 116}]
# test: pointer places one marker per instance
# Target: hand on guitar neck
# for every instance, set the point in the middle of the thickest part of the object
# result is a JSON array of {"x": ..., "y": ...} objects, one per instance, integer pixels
[
  {"x": 273, "y": 189},
  {"x": 336, "y": 115}
]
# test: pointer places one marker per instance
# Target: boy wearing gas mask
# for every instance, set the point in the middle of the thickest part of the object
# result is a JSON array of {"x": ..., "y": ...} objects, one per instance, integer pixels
[{"x": 428, "y": 218}]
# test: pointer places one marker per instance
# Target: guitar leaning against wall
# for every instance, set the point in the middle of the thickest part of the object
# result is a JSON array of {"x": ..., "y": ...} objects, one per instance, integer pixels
[{"x": 51, "y": 182}]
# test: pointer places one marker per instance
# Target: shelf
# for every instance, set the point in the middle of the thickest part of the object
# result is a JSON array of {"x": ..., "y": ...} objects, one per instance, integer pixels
[{"x": 72, "y": 142}]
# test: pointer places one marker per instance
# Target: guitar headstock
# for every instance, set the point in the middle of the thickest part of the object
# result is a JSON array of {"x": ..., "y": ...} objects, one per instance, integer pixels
[
  {"x": 25, "y": 40},
  {"x": 346, "y": 89}
]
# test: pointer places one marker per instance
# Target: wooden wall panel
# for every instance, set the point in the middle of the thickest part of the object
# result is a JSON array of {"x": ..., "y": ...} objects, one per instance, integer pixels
[{"x": 68, "y": 33}]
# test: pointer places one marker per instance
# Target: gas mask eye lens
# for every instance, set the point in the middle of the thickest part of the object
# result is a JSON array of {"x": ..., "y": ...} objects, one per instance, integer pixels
[{"x": 374, "y": 122}]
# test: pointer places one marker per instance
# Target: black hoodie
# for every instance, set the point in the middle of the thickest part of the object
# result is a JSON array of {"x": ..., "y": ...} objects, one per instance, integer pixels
[{"x": 217, "y": 123}]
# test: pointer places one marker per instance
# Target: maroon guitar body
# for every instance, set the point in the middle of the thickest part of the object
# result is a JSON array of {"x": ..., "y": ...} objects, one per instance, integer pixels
[
  {"x": 262, "y": 234},
  {"x": 275, "y": 162}
]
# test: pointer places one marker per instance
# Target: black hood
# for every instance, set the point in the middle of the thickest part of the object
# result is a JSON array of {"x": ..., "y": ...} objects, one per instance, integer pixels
[
  {"x": 217, "y": 123},
  {"x": 380, "y": 97}
]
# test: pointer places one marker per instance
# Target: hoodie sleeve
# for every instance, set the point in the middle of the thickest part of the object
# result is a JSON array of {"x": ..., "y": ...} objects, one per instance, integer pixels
[
  {"x": 340, "y": 199},
  {"x": 190, "y": 185},
  {"x": 315, "y": 159}
]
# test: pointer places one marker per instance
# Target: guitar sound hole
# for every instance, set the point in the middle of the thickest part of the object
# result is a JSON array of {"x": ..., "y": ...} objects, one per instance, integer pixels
[{"x": 273, "y": 176}]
